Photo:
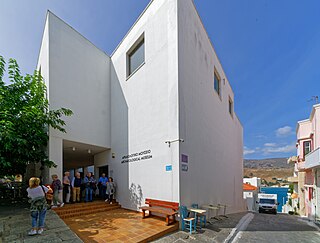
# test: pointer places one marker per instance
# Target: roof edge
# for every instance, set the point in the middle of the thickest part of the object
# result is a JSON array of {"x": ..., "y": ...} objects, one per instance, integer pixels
[
  {"x": 49, "y": 12},
  {"x": 132, "y": 26}
]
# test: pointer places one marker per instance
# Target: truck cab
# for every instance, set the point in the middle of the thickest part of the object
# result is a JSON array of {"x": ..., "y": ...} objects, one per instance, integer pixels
[{"x": 267, "y": 203}]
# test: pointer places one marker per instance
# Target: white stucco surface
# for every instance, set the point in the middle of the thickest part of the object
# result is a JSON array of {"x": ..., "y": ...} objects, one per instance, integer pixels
[
  {"x": 144, "y": 109},
  {"x": 79, "y": 79},
  {"x": 213, "y": 137}
]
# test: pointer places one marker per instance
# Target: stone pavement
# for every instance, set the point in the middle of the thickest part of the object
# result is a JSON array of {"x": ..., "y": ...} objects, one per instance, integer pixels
[
  {"x": 217, "y": 231},
  {"x": 15, "y": 222}
]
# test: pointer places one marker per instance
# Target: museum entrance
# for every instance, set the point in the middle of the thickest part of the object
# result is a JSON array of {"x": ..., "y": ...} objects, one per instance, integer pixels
[
  {"x": 104, "y": 169},
  {"x": 81, "y": 157}
]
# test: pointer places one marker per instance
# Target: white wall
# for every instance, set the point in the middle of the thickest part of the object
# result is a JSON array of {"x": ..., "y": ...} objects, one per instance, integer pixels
[
  {"x": 251, "y": 198},
  {"x": 79, "y": 79},
  {"x": 77, "y": 75},
  {"x": 144, "y": 109},
  {"x": 213, "y": 138},
  {"x": 254, "y": 181}
]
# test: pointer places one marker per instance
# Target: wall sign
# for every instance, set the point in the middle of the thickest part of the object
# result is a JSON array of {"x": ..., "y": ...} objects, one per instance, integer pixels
[
  {"x": 184, "y": 162},
  {"x": 135, "y": 157},
  {"x": 184, "y": 158},
  {"x": 168, "y": 167},
  {"x": 184, "y": 167}
]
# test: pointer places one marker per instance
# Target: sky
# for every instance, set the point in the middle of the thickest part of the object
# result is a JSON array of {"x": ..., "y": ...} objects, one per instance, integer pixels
[{"x": 270, "y": 52}]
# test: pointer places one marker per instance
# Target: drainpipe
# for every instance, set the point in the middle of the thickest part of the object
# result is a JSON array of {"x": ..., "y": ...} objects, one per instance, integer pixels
[{"x": 316, "y": 193}]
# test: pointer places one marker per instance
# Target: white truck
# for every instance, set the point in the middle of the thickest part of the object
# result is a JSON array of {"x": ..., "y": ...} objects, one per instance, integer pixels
[{"x": 267, "y": 203}]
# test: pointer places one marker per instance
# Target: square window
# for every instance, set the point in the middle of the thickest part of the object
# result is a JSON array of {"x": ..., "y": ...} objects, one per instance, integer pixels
[
  {"x": 230, "y": 106},
  {"x": 306, "y": 148},
  {"x": 135, "y": 56},
  {"x": 217, "y": 83}
]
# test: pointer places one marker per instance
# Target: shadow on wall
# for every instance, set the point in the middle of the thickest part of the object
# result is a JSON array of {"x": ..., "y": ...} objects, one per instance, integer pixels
[
  {"x": 136, "y": 196},
  {"x": 120, "y": 137}
]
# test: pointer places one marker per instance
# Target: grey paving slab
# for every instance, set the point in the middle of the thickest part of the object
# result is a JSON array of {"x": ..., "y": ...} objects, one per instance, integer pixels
[
  {"x": 14, "y": 228},
  {"x": 215, "y": 231}
]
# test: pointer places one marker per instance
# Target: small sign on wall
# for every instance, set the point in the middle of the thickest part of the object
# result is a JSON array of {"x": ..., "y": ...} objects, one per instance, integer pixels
[
  {"x": 184, "y": 167},
  {"x": 168, "y": 167},
  {"x": 184, "y": 158},
  {"x": 184, "y": 162}
]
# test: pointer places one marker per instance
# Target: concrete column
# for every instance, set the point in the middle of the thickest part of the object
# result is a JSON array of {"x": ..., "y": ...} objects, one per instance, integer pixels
[
  {"x": 55, "y": 155},
  {"x": 301, "y": 181}
]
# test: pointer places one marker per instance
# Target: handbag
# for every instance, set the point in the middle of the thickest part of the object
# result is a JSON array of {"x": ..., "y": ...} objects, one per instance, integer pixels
[{"x": 48, "y": 196}]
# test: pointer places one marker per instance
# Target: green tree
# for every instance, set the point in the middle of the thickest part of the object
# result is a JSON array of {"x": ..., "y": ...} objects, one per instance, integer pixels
[{"x": 24, "y": 120}]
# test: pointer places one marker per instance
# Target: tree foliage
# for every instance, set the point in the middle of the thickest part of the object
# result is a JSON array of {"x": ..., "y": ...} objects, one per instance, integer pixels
[{"x": 25, "y": 119}]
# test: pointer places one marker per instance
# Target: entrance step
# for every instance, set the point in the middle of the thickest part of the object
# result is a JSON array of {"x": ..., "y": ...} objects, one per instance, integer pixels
[{"x": 80, "y": 209}]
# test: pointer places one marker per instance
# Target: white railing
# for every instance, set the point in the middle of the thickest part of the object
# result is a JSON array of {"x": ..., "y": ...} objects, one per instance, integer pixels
[{"x": 313, "y": 159}]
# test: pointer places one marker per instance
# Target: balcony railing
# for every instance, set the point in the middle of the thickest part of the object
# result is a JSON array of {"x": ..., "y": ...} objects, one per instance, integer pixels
[{"x": 313, "y": 159}]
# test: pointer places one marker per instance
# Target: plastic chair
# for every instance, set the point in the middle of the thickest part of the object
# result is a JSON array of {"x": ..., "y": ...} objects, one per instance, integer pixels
[
  {"x": 187, "y": 221},
  {"x": 201, "y": 217}
]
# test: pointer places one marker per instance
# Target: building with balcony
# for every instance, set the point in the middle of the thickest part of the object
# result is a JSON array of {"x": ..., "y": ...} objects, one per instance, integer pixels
[
  {"x": 157, "y": 114},
  {"x": 307, "y": 164}
]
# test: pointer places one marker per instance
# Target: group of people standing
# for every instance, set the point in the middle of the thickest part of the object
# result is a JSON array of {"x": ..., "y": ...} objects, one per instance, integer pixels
[
  {"x": 37, "y": 194},
  {"x": 77, "y": 186}
]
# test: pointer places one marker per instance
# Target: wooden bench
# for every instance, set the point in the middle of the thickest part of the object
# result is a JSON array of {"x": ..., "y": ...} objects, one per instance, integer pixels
[{"x": 170, "y": 209}]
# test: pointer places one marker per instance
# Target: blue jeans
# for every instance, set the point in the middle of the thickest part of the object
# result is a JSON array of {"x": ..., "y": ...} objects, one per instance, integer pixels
[
  {"x": 88, "y": 194},
  {"x": 103, "y": 192},
  {"x": 38, "y": 217}
]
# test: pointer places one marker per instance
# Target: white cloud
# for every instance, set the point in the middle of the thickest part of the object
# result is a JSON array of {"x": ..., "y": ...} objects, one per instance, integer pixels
[
  {"x": 261, "y": 136},
  {"x": 283, "y": 149},
  {"x": 270, "y": 148},
  {"x": 270, "y": 144},
  {"x": 284, "y": 131},
  {"x": 247, "y": 151}
]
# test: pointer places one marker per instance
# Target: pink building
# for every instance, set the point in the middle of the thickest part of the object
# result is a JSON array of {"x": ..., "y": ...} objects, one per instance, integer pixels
[{"x": 307, "y": 164}]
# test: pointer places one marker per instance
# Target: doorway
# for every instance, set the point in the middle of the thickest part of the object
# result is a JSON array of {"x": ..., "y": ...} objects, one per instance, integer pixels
[{"x": 104, "y": 169}]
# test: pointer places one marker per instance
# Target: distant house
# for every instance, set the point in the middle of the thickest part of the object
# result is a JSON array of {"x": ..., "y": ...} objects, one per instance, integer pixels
[
  {"x": 250, "y": 194},
  {"x": 255, "y": 181},
  {"x": 307, "y": 164}
]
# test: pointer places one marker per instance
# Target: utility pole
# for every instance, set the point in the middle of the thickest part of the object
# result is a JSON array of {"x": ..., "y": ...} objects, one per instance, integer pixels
[{"x": 315, "y": 99}]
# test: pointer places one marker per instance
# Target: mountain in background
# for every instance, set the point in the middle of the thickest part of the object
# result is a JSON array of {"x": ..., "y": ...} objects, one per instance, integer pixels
[
  {"x": 275, "y": 163},
  {"x": 269, "y": 170}
]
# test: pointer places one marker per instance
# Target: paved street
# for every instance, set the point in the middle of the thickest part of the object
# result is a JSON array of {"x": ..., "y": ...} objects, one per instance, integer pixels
[
  {"x": 278, "y": 228},
  {"x": 15, "y": 222}
]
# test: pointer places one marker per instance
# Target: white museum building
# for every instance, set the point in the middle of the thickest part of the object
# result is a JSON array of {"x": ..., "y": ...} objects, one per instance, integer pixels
[{"x": 157, "y": 114}]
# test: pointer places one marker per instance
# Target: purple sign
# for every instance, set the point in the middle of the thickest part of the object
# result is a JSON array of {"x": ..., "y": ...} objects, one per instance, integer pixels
[{"x": 184, "y": 158}]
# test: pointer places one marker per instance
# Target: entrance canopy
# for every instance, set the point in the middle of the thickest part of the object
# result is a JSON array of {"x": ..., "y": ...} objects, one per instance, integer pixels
[{"x": 76, "y": 155}]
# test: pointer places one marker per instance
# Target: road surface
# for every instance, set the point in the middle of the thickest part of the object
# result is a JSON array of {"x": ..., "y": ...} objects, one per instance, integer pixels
[{"x": 277, "y": 228}]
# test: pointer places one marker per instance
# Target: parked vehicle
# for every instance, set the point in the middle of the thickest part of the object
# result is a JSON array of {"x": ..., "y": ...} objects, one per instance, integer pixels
[{"x": 267, "y": 203}]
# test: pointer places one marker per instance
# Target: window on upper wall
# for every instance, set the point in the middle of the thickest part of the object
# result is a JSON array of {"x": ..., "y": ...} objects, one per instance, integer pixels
[
  {"x": 230, "y": 106},
  {"x": 217, "y": 83},
  {"x": 306, "y": 148},
  {"x": 135, "y": 56}
]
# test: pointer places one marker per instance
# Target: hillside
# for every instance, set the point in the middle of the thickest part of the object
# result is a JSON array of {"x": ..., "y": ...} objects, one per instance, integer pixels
[
  {"x": 268, "y": 169},
  {"x": 275, "y": 163}
]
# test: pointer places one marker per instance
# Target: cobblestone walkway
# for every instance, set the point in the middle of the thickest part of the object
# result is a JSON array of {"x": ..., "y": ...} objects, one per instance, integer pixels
[{"x": 15, "y": 228}]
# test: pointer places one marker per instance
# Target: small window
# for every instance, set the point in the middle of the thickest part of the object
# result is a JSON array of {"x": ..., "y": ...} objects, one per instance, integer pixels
[
  {"x": 217, "y": 83},
  {"x": 306, "y": 148},
  {"x": 135, "y": 56},
  {"x": 230, "y": 106}
]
